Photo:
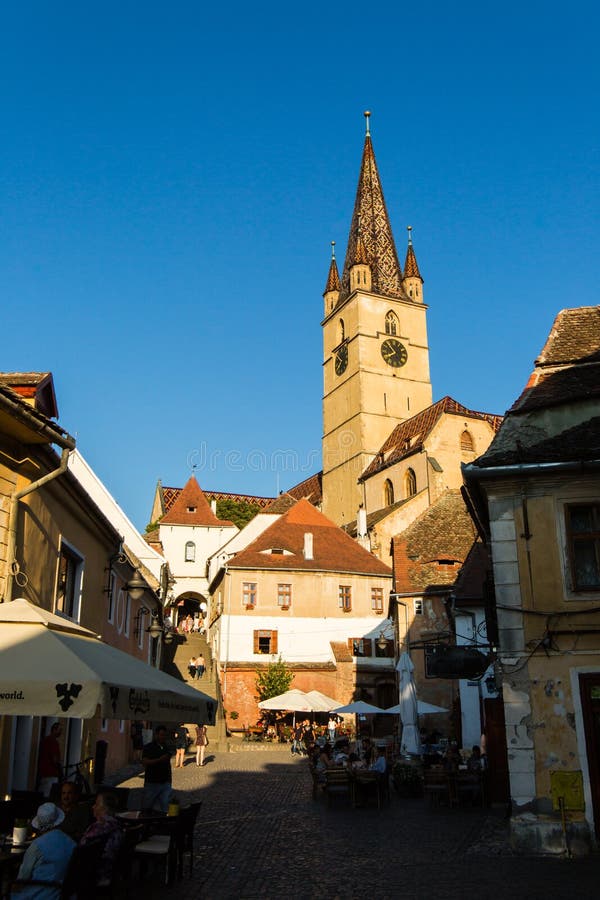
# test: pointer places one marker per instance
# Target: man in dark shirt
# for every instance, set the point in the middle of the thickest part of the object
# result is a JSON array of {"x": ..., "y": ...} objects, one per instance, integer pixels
[{"x": 156, "y": 760}]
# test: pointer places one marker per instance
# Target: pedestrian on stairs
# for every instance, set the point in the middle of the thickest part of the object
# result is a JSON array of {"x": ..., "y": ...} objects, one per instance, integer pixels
[
  {"x": 200, "y": 666},
  {"x": 192, "y": 667}
]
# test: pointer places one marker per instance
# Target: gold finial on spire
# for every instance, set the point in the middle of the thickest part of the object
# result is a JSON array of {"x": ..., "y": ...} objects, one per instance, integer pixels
[
  {"x": 333, "y": 249},
  {"x": 367, "y": 115},
  {"x": 409, "y": 229}
]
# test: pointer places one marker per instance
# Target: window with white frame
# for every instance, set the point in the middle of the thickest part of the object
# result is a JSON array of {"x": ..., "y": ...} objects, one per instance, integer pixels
[
  {"x": 127, "y": 614},
  {"x": 112, "y": 599},
  {"x": 249, "y": 594},
  {"x": 284, "y": 596},
  {"x": 345, "y": 597},
  {"x": 68, "y": 588},
  {"x": 418, "y": 607},
  {"x": 377, "y": 599},
  {"x": 582, "y": 523}
]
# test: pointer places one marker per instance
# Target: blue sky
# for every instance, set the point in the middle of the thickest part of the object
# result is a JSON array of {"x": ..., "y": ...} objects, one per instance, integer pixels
[{"x": 172, "y": 175}]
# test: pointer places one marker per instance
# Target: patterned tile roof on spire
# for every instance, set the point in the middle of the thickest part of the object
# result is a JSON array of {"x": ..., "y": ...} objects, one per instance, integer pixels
[
  {"x": 409, "y": 436},
  {"x": 411, "y": 268},
  {"x": 191, "y": 508},
  {"x": 333, "y": 549},
  {"x": 375, "y": 234},
  {"x": 333, "y": 278}
]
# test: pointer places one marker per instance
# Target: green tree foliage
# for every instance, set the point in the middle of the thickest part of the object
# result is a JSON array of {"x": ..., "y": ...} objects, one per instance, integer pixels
[
  {"x": 237, "y": 511},
  {"x": 274, "y": 680}
]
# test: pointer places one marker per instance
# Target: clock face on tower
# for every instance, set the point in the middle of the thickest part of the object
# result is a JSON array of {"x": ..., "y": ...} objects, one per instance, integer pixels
[
  {"x": 394, "y": 353},
  {"x": 341, "y": 359}
]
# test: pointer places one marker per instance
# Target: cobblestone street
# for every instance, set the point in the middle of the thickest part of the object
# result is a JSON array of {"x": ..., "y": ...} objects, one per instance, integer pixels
[{"x": 261, "y": 835}]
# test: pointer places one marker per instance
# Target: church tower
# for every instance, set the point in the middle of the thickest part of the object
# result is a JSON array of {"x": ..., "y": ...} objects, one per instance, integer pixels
[{"x": 375, "y": 353}]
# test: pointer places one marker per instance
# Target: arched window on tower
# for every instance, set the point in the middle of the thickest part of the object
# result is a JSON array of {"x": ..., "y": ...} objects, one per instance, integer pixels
[
  {"x": 388, "y": 493},
  {"x": 392, "y": 326},
  {"x": 466, "y": 442},
  {"x": 190, "y": 551},
  {"x": 342, "y": 331},
  {"x": 410, "y": 483}
]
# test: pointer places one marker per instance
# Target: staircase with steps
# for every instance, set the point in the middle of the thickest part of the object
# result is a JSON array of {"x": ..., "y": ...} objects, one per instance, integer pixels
[{"x": 176, "y": 663}]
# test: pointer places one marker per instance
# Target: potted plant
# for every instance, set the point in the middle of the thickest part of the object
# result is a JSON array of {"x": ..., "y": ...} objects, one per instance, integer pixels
[{"x": 407, "y": 779}]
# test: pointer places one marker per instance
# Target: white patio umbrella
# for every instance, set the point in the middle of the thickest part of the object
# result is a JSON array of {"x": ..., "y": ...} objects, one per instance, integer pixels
[
  {"x": 360, "y": 708},
  {"x": 293, "y": 700},
  {"x": 50, "y": 666},
  {"x": 411, "y": 740},
  {"x": 423, "y": 709},
  {"x": 321, "y": 702}
]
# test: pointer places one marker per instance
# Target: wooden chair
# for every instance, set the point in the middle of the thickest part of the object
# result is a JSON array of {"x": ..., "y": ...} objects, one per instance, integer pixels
[
  {"x": 436, "y": 786},
  {"x": 159, "y": 847},
  {"x": 469, "y": 787},
  {"x": 184, "y": 835},
  {"x": 337, "y": 784}
]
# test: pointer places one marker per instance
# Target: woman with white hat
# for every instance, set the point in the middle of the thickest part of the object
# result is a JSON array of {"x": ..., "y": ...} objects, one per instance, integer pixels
[{"x": 47, "y": 858}]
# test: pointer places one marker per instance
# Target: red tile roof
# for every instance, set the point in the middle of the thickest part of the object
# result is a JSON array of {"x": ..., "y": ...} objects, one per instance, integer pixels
[
  {"x": 309, "y": 489},
  {"x": 574, "y": 338},
  {"x": 430, "y": 552},
  {"x": 333, "y": 550},
  {"x": 409, "y": 437},
  {"x": 170, "y": 495},
  {"x": 191, "y": 507}
]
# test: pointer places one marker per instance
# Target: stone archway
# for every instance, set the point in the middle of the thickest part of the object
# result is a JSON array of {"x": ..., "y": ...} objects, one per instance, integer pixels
[{"x": 187, "y": 604}]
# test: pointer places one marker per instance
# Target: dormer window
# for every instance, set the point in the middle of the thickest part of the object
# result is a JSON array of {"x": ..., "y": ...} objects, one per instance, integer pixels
[{"x": 191, "y": 509}]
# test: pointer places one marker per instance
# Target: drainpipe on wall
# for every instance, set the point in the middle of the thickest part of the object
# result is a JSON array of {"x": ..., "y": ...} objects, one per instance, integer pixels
[{"x": 13, "y": 516}]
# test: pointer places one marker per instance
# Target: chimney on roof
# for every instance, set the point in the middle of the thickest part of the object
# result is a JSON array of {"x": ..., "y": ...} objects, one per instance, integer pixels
[
  {"x": 361, "y": 522},
  {"x": 308, "y": 545},
  {"x": 213, "y": 506}
]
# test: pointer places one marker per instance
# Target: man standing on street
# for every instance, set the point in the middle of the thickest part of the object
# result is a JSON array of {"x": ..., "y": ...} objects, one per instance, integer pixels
[{"x": 156, "y": 760}]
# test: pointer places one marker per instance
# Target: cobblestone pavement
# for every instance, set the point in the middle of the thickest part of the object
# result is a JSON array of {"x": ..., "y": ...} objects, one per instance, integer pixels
[{"x": 261, "y": 835}]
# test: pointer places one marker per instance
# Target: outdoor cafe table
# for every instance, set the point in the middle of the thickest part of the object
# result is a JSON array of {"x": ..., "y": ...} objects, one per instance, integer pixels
[{"x": 10, "y": 862}]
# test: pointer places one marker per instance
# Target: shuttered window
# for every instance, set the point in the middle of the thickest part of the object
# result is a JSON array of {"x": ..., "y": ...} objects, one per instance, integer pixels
[
  {"x": 265, "y": 642},
  {"x": 359, "y": 646}
]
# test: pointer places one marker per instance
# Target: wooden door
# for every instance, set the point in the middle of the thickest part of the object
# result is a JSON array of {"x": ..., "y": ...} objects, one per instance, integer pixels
[
  {"x": 589, "y": 688},
  {"x": 495, "y": 733}
]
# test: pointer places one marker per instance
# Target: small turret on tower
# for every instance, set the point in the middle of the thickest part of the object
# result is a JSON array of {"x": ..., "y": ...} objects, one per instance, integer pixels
[
  {"x": 331, "y": 293},
  {"x": 412, "y": 281}
]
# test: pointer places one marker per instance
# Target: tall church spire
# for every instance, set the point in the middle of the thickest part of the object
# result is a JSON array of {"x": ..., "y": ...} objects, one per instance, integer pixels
[{"x": 371, "y": 227}]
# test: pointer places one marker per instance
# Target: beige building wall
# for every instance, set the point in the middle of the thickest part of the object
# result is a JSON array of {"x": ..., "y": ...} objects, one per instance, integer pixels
[
  {"x": 544, "y": 724},
  {"x": 362, "y": 405},
  {"x": 305, "y": 633}
]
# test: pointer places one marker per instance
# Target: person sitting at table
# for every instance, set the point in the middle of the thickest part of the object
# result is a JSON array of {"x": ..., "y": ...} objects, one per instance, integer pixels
[
  {"x": 366, "y": 751},
  {"x": 78, "y": 815},
  {"x": 474, "y": 762},
  {"x": 323, "y": 762},
  {"x": 380, "y": 764},
  {"x": 107, "y": 828},
  {"x": 452, "y": 759},
  {"x": 48, "y": 856}
]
